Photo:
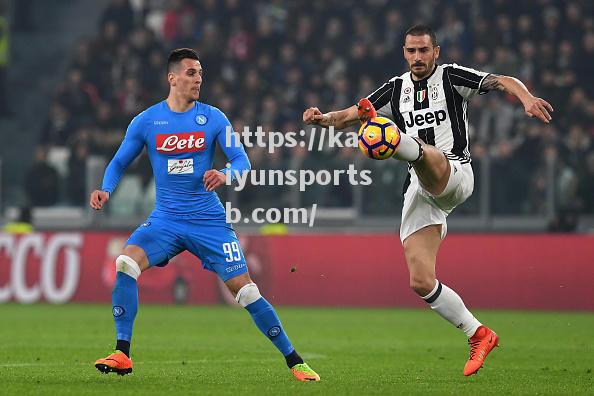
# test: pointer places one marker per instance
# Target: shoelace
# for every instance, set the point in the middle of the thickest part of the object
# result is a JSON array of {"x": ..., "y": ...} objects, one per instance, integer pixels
[{"x": 473, "y": 347}]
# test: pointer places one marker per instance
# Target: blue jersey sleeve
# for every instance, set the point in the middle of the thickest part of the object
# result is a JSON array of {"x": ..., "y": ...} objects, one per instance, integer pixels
[
  {"x": 129, "y": 149},
  {"x": 231, "y": 145}
]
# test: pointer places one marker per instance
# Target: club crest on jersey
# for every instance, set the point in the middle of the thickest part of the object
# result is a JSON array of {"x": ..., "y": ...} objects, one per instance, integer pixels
[
  {"x": 434, "y": 92},
  {"x": 201, "y": 119},
  {"x": 421, "y": 95},
  {"x": 180, "y": 142}
]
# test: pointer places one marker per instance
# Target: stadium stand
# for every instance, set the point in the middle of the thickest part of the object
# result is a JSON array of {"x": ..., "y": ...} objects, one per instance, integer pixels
[{"x": 265, "y": 61}]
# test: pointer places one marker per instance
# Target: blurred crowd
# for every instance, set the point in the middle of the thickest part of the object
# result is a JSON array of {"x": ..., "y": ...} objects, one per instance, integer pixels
[
  {"x": 4, "y": 50},
  {"x": 265, "y": 61}
]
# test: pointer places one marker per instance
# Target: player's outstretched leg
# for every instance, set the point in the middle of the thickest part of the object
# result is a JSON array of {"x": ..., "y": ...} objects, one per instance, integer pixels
[
  {"x": 409, "y": 149},
  {"x": 266, "y": 319},
  {"x": 125, "y": 306}
]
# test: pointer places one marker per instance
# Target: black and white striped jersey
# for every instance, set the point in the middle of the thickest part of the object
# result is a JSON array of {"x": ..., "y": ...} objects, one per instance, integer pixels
[{"x": 433, "y": 109}]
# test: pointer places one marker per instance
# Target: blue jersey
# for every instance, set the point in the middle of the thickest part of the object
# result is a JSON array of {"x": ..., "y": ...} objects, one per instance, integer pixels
[{"x": 180, "y": 147}]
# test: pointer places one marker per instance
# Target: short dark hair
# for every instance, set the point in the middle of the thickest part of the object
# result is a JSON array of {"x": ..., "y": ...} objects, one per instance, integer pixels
[
  {"x": 421, "y": 30},
  {"x": 177, "y": 55}
]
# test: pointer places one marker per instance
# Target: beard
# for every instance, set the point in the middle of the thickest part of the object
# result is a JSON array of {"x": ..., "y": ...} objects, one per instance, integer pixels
[{"x": 424, "y": 71}]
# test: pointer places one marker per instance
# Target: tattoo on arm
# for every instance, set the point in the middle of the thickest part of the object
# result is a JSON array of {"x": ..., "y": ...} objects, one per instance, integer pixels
[{"x": 492, "y": 82}]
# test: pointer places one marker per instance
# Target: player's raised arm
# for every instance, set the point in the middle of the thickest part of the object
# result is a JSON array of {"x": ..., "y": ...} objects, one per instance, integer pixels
[
  {"x": 533, "y": 106},
  {"x": 129, "y": 149},
  {"x": 366, "y": 108},
  {"x": 338, "y": 119}
]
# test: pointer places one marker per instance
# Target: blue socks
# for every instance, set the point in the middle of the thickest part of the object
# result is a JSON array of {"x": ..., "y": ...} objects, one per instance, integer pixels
[
  {"x": 124, "y": 299},
  {"x": 125, "y": 306},
  {"x": 269, "y": 324}
]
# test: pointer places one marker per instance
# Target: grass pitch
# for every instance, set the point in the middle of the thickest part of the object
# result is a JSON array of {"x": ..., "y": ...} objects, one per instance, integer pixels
[{"x": 47, "y": 350}]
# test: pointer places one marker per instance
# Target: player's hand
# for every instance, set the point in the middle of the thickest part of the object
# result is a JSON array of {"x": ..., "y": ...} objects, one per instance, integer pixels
[
  {"x": 365, "y": 110},
  {"x": 98, "y": 199},
  {"x": 313, "y": 116},
  {"x": 539, "y": 108},
  {"x": 213, "y": 178}
]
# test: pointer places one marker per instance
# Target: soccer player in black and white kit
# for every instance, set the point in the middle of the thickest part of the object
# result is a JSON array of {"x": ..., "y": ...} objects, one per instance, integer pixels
[{"x": 429, "y": 105}]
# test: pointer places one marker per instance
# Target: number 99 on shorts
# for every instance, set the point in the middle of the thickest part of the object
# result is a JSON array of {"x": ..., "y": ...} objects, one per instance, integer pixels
[{"x": 232, "y": 251}]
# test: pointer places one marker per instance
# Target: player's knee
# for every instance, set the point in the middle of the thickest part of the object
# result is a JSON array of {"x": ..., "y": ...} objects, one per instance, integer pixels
[
  {"x": 422, "y": 284},
  {"x": 422, "y": 278},
  {"x": 248, "y": 294},
  {"x": 128, "y": 266}
]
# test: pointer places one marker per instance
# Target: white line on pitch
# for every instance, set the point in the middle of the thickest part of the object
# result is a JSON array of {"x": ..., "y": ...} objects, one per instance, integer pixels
[{"x": 180, "y": 362}]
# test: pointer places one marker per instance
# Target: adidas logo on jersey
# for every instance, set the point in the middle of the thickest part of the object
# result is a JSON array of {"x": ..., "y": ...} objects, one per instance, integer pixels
[
  {"x": 181, "y": 142},
  {"x": 426, "y": 119}
]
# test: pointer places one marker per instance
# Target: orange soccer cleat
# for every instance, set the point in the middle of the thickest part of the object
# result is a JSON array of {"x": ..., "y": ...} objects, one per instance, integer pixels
[
  {"x": 481, "y": 343},
  {"x": 117, "y": 362},
  {"x": 365, "y": 110},
  {"x": 304, "y": 373}
]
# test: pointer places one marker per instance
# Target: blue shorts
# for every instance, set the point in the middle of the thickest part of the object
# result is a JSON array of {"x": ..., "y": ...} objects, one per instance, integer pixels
[{"x": 214, "y": 242}]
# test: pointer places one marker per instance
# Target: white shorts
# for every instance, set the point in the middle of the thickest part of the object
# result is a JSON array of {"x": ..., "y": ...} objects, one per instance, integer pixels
[{"x": 422, "y": 209}]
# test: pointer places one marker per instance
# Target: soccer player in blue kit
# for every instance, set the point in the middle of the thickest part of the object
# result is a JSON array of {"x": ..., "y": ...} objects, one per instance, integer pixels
[{"x": 180, "y": 135}]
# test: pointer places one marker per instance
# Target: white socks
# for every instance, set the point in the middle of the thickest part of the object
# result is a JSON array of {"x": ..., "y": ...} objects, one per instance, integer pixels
[
  {"x": 409, "y": 149},
  {"x": 450, "y": 306}
]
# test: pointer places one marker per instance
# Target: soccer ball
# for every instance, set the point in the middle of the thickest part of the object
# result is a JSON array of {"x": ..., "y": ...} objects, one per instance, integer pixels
[{"x": 379, "y": 138}]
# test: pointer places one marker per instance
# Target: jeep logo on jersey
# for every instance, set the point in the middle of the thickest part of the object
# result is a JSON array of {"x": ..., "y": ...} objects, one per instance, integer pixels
[
  {"x": 181, "y": 142},
  {"x": 428, "y": 118}
]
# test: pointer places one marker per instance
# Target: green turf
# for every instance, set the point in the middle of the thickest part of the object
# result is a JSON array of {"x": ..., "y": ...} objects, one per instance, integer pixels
[{"x": 50, "y": 350}]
